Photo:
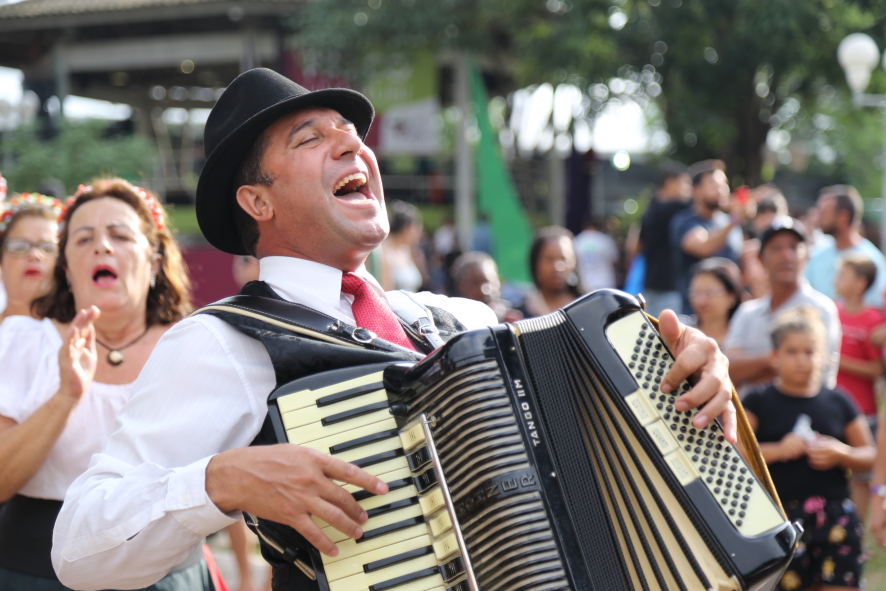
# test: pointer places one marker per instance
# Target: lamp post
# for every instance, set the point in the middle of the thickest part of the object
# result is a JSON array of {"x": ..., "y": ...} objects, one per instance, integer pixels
[{"x": 858, "y": 55}]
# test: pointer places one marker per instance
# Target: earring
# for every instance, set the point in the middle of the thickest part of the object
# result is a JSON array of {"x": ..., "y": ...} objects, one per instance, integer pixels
[{"x": 153, "y": 281}]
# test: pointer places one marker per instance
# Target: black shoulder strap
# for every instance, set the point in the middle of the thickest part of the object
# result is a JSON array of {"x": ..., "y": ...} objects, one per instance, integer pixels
[{"x": 269, "y": 308}]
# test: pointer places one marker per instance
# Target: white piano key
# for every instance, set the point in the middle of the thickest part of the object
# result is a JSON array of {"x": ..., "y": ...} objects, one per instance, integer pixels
[
  {"x": 364, "y": 580},
  {"x": 312, "y": 414},
  {"x": 349, "y": 547},
  {"x": 376, "y": 522},
  {"x": 365, "y": 451},
  {"x": 305, "y": 398},
  {"x": 317, "y": 430},
  {"x": 324, "y": 443},
  {"x": 373, "y": 502},
  {"x": 395, "y": 474},
  {"x": 354, "y": 565}
]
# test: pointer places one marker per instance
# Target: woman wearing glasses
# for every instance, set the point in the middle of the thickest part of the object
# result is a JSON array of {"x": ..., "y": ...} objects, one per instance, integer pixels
[
  {"x": 117, "y": 286},
  {"x": 715, "y": 293},
  {"x": 28, "y": 249}
]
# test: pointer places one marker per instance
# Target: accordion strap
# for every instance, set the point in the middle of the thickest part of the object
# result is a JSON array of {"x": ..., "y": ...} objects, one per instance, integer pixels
[{"x": 747, "y": 443}]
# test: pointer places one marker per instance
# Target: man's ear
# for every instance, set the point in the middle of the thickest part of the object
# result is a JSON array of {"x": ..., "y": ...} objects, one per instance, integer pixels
[{"x": 253, "y": 199}]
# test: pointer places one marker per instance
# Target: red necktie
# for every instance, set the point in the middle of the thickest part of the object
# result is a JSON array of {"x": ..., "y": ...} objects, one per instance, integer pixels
[{"x": 372, "y": 312}]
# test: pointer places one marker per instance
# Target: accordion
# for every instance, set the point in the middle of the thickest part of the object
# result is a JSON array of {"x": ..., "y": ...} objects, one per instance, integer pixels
[{"x": 534, "y": 456}]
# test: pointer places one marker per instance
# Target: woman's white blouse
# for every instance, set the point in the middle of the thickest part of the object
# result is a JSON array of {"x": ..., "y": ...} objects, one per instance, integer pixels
[{"x": 29, "y": 377}]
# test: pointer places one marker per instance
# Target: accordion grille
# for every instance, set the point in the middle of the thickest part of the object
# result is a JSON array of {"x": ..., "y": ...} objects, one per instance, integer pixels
[{"x": 510, "y": 539}]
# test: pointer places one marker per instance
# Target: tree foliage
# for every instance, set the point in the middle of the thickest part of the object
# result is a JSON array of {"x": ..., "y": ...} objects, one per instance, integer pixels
[
  {"x": 79, "y": 152},
  {"x": 726, "y": 67}
]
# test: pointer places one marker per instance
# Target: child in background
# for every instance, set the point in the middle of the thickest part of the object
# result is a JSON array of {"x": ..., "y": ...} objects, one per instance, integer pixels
[
  {"x": 860, "y": 361},
  {"x": 810, "y": 436}
]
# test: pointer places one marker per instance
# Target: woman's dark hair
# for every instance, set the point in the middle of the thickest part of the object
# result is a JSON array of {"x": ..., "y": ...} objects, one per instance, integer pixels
[
  {"x": 727, "y": 273},
  {"x": 403, "y": 215},
  {"x": 169, "y": 300},
  {"x": 542, "y": 236}
]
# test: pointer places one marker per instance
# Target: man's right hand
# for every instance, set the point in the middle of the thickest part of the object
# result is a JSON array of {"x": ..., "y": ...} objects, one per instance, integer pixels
[{"x": 288, "y": 484}]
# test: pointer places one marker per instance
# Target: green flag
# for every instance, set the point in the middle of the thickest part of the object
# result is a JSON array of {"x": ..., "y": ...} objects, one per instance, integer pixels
[{"x": 496, "y": 194}]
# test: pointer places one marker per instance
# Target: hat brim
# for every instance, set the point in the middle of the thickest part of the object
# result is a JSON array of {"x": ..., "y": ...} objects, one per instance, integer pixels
[{"x": 215, "y": 190}]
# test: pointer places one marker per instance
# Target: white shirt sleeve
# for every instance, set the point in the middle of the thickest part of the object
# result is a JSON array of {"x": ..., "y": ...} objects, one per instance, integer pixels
[
  {"x": 24, "y": 353},
  {"x": 735, "y": 336},
  {"x": 142, "y": 506},
  {"x": 469, "y": 312}
]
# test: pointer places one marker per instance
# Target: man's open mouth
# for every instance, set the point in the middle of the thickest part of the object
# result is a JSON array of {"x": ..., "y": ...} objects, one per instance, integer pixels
[{"x": 352, "y": 183}]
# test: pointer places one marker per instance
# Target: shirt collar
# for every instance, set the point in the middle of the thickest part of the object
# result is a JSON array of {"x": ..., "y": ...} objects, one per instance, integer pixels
[
  {"x": 292, "y": 278},
  {"x": 802, "y": 290}
]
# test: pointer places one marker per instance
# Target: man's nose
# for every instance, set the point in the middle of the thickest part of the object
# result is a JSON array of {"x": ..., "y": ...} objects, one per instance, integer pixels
[{"x": 348, "y": 143}]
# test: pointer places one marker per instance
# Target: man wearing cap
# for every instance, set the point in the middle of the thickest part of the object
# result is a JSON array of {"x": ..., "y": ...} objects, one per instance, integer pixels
[
  {"x": 289, "y": 180},
  {"x": 783, "y": 254}
]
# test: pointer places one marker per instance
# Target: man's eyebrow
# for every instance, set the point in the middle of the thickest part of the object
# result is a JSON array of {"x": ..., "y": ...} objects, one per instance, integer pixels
[
  {"x": 340, "y": 120},
  {"x": 298, "y": 128}
]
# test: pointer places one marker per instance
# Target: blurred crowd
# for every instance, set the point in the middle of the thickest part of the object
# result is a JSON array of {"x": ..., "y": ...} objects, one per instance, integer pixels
[{"x": 796, "y": 304}]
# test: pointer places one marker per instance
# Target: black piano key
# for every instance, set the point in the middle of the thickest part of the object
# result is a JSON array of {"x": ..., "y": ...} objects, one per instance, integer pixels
[
  {"x": 381, "y": 457},
  {"x": 386, "y": 529},
  {"x": 452, "y": 569},
  {"x": 392, "y": 507},
  {"x": 425, "y": 480},
  {"x": 354, "y": 412},
  {"x": 392, "y": 560},
  {"x": 360, "y": 441},
  {"x": 361, "y": 495},
  {"x": 351, "y": 393},
  {"x": 418, "y": 459},
  {"x": 428, "y": 572}
]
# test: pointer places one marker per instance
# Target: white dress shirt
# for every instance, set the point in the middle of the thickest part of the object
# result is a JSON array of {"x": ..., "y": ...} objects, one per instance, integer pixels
[
  {"x": 29, "y": 377},
  {"x": 141, "y": 507}
]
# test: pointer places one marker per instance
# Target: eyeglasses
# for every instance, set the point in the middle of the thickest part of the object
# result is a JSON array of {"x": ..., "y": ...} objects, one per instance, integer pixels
[
  {"x": 19, "y": 248},
  {"x": 708, "y": 293}
]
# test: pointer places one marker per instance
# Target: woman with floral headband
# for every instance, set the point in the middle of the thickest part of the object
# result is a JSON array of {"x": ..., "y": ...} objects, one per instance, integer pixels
[
  {"x": 118, "y": 284},
  {"x": 28, "y": 249}
]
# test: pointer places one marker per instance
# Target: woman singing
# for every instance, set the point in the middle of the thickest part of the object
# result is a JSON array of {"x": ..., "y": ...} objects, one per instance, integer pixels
[
  {"x": 28, "y": 249},
  {"x": 118, "y": 284}
]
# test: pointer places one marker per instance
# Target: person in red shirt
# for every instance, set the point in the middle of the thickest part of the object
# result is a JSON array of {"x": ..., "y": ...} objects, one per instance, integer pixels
[{"x": 860, "y": 361}]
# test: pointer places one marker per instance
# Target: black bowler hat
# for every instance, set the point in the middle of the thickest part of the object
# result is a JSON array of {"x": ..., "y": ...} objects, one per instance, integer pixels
[{"x": 248, "y": 106}]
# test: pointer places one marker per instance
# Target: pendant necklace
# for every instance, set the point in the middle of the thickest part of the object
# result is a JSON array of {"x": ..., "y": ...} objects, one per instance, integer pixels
[{"x": 115, "y": 356}]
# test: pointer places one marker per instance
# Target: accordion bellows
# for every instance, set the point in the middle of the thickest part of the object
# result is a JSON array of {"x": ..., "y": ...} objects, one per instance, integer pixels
[{"x": 537, "y": 456}]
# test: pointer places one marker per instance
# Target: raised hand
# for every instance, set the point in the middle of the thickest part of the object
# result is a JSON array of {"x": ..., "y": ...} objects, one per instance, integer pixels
[
  {"x": 77, "y": 357},
  {"x": 699, "y": 355},
  {"x": 288, "y": 484}
]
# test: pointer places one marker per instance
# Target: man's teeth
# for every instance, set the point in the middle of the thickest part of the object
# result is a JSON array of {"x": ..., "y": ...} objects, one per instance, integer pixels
[{"x": 359, "y": 177}]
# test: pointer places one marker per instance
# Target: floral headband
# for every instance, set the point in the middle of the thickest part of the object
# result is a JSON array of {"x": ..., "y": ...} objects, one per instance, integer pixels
[
  {"x": 153, "y": 205},
  {"x": 26, "y": 200}
]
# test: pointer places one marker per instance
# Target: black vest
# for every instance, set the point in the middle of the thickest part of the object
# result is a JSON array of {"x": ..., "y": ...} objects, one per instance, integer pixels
[{"x": 295, "y": 356}]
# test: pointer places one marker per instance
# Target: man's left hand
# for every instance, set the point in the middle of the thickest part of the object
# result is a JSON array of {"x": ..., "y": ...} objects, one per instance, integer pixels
[{"x": 699, "y": 355}]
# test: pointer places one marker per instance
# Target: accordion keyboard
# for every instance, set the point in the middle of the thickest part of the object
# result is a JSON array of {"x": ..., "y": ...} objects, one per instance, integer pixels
[
  {"x": 351, "y": 421},
  {"x": 690, "y": 453}
]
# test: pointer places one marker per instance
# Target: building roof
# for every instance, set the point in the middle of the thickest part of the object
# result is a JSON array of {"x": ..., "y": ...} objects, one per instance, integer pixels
[{"x": 43, "y": 8}]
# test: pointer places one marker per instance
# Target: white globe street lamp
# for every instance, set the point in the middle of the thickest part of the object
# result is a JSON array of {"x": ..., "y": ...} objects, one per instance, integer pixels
[{"x": 858, "y": 55}]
